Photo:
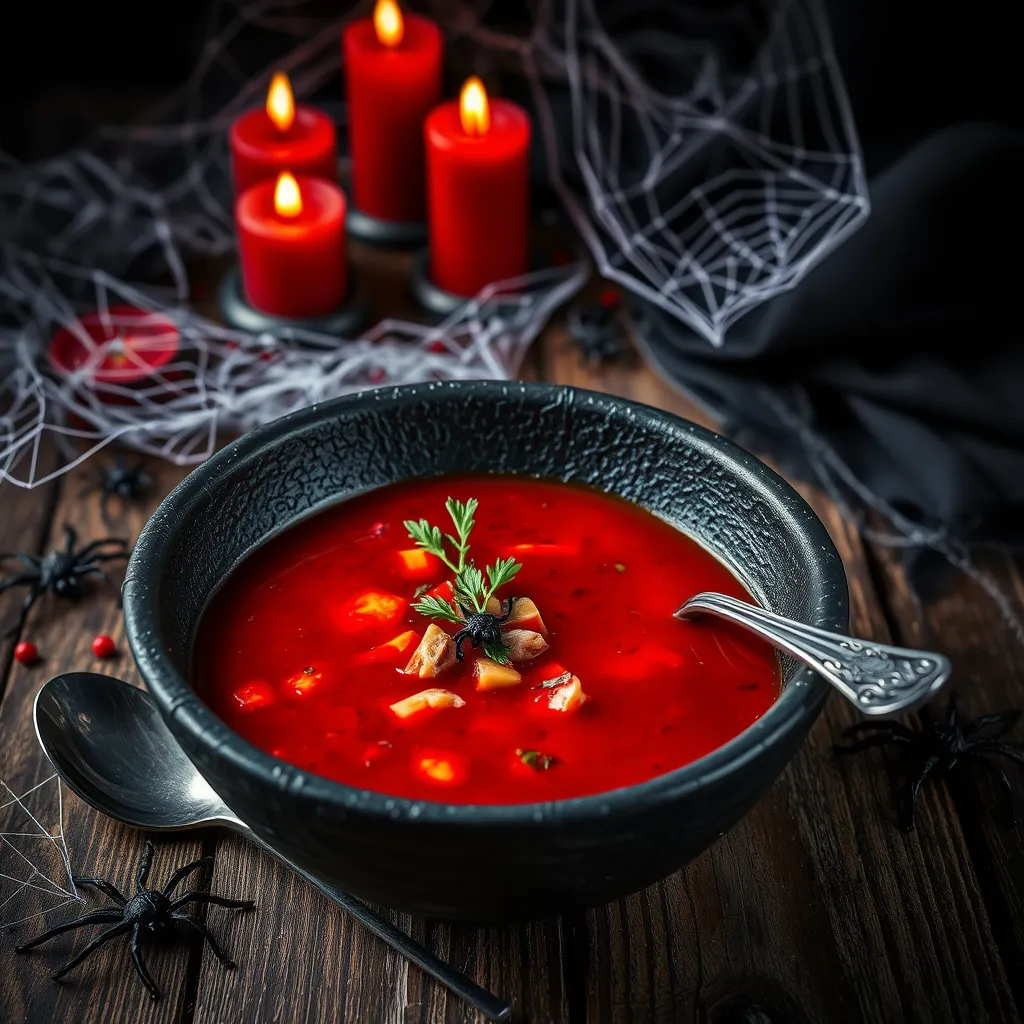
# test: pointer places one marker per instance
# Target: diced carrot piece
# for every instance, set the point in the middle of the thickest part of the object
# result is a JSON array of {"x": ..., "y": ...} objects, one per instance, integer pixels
[
  {"x": 427, "y": 699},
  {"x": 550, "y": 550},
  {"x": 442, "y": 766},
  {"x": 371, "y": 608},
  {"x": 255, "y": 695},
  {"x": 303, "y": 683},
  {"x": 525, "y": 616},
  {"x": 445, "y": 591},
  {"x": 434, "y": 654},
  {"x": 416, "y": 563},
  {"x": 390, "y": 651},
  {"x": 524, "y": 644},
  {"x": 568, "y": 697},
  {"x": 489, "y": 675}
]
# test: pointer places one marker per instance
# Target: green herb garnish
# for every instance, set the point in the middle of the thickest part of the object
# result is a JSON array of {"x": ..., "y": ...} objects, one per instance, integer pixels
[
  {"x": 473, "y": 588},
  {"x": 536, "y": 760}
]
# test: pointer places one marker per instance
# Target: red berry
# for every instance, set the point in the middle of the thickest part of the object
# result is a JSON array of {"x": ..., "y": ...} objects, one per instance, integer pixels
[
  {"x": 26, "y": 652},
  {"x": 103, "y": 647},
  {"x": 609, "y": 297}
]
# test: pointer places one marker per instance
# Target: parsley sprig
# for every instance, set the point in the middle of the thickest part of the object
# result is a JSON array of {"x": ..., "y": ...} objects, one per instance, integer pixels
[{"x": 473, "y": 588}]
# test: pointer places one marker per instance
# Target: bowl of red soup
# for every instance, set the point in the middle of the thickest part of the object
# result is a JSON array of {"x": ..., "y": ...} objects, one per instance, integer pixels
[{"x": 422, "y": 641}]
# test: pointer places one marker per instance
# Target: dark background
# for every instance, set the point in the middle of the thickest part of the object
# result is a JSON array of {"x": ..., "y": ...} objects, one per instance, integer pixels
[{"x": 910, "y": 69}]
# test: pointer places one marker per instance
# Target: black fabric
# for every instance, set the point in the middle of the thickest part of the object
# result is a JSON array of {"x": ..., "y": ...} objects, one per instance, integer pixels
[{"x": 901, "y": 351}]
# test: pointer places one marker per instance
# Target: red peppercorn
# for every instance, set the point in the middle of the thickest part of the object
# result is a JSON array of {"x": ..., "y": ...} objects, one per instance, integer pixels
[
  {"x": 103, "y": 647},
  {"x": 26, "y": 652}
]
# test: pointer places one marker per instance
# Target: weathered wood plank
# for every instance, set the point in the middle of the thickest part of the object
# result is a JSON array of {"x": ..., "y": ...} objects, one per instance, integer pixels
[
  {"x": 988, "y": 676},
  {"x": 103, "y": 988},
  {"x": 814, "y": 907}
]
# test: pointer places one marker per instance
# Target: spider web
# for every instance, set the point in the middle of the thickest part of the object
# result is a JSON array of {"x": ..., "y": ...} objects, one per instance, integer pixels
[
  {"x": 708, "y": 190},
  {"x": 35, "y": 869}
]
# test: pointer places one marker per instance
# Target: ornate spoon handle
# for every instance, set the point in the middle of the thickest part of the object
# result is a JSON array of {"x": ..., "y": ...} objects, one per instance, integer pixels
[{"x": 875, "y": 678}]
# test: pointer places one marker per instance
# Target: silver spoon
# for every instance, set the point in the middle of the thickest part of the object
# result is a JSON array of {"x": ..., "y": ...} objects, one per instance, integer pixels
[
  {"x": 875, "y": 678},
  {"x": 97, "y": 731}
]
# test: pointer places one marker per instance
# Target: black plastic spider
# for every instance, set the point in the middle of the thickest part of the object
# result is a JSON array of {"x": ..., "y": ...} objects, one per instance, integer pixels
[
  {"x": 943, "y": 746},
  {"x": 119, "y": 481},
  {"x": 597, "y": 333},
  {"x": 148, "y": 913},
  {"x": 61, "y": 571},
  {"x": 480, "y": 628}
]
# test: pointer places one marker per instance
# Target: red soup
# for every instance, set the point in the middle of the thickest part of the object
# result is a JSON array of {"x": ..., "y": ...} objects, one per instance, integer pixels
[{"x": 337, "y": 645}]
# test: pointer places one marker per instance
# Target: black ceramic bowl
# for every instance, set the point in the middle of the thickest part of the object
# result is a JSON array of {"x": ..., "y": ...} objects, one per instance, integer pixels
[{"x": 482, "y": 863}]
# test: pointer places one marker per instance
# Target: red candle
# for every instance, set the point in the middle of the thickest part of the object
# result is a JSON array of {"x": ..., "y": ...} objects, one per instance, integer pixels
[
  {"x": 477, "y": 190},
  {"x": 115, "y": 351},
  {"x": 291, "y": 245},
  {"x": 393, "y": 76},
  {"x": 282, "y": 136}
]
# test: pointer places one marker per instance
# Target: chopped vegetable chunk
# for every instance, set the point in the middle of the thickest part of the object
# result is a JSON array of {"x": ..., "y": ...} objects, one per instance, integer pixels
[
  {"x": 489, "y": 675},
  {"x": 435, "y": 699},
  {"x": 435, "y": 654},
  {"x": 393, "y": 649},
  {"x": 304, "y": 682},
  {"x": 525, "y": 616},
  {"x": 567, "y": 697},
  {"x": 371, "y": 608},
  {"x": 543, "y": 550},
  {"x": 255, "y": 695},
  {"x": 416, "y": 563},
  {"x": 444, "y": 767},
  {"x": 524, "y": 644}
]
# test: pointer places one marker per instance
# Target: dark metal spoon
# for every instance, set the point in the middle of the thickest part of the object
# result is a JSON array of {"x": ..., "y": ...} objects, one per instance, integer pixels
[{"x": 107, "y": 741}]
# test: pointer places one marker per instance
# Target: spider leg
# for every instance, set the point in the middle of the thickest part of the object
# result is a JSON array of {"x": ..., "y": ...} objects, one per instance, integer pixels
[
  {"x": 1000, "y": 774},
  {"x": 147, "y": 858},
  {"x": 877, "y": 740},
  {"x": 17, "y": 580},
  {"x": 110, "y": 933},
  {"x": 103, "y": 886},
  {"x": 69, "y": 539},
  {"x": 460, "y": 638},
  {"x": 910, "y": 810},
  {"x": 89, "y": 570},
  {"x": 19, "y": 556},
  {"x": 30, "y": 600},
  {"x": 209, "y": 897},
  {"x": 140, "y": 968},
  {"x": 95, "y": 549},
  {"x": 198, "y": 926},
  {"x": 184, "y": 872},
  {"x": 893, "y": 728},
  {"x": 1005, "y": 749},
  {"x": 511, "y": 605},
  {"x": 991, "y": 726},
  {"x": 96, "y": 917}
]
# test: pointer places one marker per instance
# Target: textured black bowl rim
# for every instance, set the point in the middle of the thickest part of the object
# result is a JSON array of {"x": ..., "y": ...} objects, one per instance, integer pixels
[{"x": 797, "y": 706}]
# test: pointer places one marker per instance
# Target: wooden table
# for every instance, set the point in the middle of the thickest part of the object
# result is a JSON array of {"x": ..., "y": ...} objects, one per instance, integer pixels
[{"x": 815, "y": 907}]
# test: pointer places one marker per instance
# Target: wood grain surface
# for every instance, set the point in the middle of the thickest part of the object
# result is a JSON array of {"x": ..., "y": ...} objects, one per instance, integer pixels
[{"x": 815, "y": 907}]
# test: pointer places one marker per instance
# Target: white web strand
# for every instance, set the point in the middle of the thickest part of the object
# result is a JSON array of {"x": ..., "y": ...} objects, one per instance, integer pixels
[
  {"x": 708, "y": 200},
  {"x": 35, "y": 868}
]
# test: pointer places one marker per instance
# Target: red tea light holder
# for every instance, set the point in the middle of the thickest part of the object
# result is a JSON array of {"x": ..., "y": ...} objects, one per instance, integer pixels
[
  {"x": 477, "y": 200},
  {"x": 393, "y": 80},
  {"x": 293, "y": 271},
  {"x": 117, "y": 355}
]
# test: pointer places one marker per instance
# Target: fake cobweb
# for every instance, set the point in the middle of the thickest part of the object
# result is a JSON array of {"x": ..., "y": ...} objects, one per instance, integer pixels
[
  {"x": 704, "y": 153},
  {"x": 35, "y": 869}
]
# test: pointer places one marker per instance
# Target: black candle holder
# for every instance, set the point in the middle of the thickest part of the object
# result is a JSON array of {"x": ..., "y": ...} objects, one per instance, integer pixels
[
  {"x": 439, "y": 303},
  {"x": 387, "y": 234},
  {"x": 348, "y": 319}
]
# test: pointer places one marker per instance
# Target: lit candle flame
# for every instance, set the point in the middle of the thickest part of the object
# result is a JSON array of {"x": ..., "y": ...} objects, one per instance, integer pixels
[
  {"x": 474, "y": 110},
  {"x": 281, "y": 102},
  {"x": 287, "y": 197},
  {"x": 388, "y": 22}
]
